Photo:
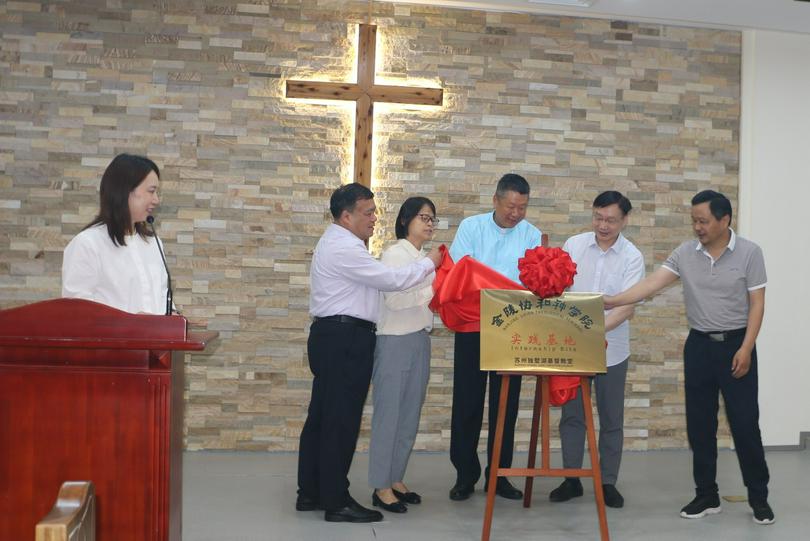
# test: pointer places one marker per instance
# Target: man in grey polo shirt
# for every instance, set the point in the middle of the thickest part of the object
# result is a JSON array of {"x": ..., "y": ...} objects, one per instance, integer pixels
[{"x": 724, "y": 280}]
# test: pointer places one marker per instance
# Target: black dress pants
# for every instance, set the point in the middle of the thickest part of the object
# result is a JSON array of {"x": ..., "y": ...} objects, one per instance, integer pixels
[
  {"x": 341, "y": 357},
  {"x": 469, "y": 389},
  {"x": 707, "y": 370}
]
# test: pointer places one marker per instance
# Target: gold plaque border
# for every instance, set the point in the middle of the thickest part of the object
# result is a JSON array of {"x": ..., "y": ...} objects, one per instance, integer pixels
[{"x": 521, "y": 332}]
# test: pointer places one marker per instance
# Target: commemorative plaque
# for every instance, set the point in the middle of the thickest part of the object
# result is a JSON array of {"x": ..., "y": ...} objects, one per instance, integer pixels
[{"x": 524, "y": 333}]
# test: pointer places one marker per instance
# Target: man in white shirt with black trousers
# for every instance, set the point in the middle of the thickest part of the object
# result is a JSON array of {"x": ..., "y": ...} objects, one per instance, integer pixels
[
  {"x": 606, "y": 263},
  {"x": 345, "y": 286}
]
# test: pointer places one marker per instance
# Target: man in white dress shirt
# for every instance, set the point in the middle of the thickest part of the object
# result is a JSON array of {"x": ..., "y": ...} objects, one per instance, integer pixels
[
  {"x": 345, "y": 286},
  {"x": 606, "y": 263}
]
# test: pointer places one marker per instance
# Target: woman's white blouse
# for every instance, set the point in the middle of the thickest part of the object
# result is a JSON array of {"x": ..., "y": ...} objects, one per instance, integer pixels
[
  {"x": 405, "y": 312},
  {"x": 131, "y": 278}
]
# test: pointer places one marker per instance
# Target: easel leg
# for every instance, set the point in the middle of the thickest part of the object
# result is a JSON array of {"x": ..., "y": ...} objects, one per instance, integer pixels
[
  {"x": 527, "y": 491},
  {"x": 496, "y": 457},
  {"x": 585, "y": 389},
  {"x": 545, "y": 416}
]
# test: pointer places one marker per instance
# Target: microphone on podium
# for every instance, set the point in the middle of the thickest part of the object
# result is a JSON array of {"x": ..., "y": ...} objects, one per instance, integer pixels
[{"x": 151, "y": 221}]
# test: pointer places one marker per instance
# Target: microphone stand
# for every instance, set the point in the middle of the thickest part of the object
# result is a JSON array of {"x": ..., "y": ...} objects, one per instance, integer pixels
[{"x": 169, "y": 309}]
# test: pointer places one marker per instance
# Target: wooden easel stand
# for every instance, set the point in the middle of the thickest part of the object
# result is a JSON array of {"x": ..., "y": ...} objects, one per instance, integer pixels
[{"x": 540, "y": 416}]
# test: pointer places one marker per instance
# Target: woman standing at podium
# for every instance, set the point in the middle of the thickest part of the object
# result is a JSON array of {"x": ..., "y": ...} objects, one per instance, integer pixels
[{"x": 116, "y": 259}]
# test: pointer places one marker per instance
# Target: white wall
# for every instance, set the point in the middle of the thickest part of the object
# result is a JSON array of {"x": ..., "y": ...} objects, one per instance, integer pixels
[{"x": 775, "y": 212}]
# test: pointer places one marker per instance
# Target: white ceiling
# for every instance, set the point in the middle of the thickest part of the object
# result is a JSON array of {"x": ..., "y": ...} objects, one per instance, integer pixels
[{"x": 782, "y": 15}]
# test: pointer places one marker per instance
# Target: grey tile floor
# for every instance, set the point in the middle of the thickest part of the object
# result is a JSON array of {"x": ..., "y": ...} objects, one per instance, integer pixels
[{"x": 231, "y": 496}]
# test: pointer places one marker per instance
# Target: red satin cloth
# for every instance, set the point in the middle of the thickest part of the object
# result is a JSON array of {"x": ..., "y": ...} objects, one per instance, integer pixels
[{"x": 457, "y": 300}]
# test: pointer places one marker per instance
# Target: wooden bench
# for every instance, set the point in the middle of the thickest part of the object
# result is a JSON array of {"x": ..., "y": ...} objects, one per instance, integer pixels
[{"x": 73, "y": 516}]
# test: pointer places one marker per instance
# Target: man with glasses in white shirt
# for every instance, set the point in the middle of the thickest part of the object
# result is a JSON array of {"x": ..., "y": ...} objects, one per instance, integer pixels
[
  {"x": 345, "y": 286},
  {"x": 606, "y": 263}
]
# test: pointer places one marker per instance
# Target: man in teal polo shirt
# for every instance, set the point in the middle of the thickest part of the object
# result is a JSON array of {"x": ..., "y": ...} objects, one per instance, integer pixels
[
  {"x": 497, "y": 239},
  {"x": 724, "y": 280}
]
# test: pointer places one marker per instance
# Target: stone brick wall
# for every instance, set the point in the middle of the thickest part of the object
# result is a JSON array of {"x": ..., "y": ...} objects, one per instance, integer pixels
[{"x": 575, "y": 105}]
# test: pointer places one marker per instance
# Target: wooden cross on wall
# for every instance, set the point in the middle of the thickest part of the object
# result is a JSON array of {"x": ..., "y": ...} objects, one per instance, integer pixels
[{"x": 365, "y": 93}]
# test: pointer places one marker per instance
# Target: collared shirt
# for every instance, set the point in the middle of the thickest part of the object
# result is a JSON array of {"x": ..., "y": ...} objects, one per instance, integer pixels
[
  {"x": 610, "y": 272},
  {"x": 715, "y": 291},
  {"x": 496, "y": 247},
  {"x": 131, "y": 278},
  {"x": 405, "y": 312},
  {"x": 346, "y": 280}
]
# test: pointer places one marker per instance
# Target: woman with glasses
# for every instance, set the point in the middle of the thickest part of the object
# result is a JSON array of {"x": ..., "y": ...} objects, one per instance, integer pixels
[{"x": 401, "y": 362}]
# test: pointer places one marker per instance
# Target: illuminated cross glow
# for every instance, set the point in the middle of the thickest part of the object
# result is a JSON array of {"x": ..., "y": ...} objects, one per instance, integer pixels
[{"x": 364, "y": 92}]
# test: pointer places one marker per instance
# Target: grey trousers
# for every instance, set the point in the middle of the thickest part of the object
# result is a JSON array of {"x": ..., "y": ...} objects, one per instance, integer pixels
[
  {"x": 400, "y": 378},
  {"x": 610, "y": 406}
]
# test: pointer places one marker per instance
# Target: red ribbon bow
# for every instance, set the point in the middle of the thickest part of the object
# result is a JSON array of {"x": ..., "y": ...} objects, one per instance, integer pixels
[{"x": 547, "y": 272}]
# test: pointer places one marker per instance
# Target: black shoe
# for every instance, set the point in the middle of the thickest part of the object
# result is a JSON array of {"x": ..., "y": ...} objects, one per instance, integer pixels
[
  {"x": 612, "y": 496},
  {"x": 408, "y": 497},
  {"x": 353, "y": 512},
  {"x": 505, "y": 489},
  {"x": 461, "y": 492},
  {"x": 305, "y": 503},
  {"x": 763, "y": 514},
  {"x": 396, "y": 507},
  {"x": 570, "y": 488},
  {"x": 702, "y": 506}
]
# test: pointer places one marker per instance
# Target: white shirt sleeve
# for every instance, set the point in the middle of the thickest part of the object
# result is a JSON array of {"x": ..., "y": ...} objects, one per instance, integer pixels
[
  {"x": 418, "y": 295},
  {"x": 634, "y": 271},
  {"x": 80, "y": 269},
  {"x": 567, "y": 247},
  {"x": 359, "y": 266}
]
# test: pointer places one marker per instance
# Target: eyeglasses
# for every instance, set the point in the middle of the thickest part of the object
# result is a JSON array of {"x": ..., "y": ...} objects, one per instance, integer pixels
[
  {"x": 428, "y": 219},
  {"x": 610, "y": 221}
]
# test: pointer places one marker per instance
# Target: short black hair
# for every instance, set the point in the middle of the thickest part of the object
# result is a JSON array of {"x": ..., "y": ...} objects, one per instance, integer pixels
[
  {"x": 512, "y": 182},
  {"x": 122, "y": 176},
  {"x": 719, "y": 205},
  {"x": 346, "y": 197},
  {"x": 408, "y": 211},
  {"x": 612, "y": 197}
]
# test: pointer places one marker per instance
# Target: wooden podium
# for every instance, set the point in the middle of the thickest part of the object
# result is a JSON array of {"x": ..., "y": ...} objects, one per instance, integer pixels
[{"x": 88, "y": 392}]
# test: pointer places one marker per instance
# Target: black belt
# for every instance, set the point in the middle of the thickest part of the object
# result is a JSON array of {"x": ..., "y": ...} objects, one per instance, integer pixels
[
  {"x": 721, "y": 336},
  {"x": 356, "y": 321}
]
